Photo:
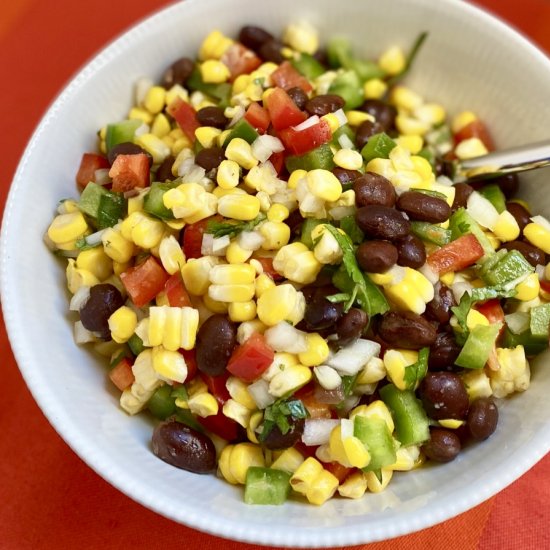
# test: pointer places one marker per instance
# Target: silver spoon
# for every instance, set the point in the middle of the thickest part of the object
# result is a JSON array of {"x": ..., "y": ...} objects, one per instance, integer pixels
[{"x": 500, "y": 163}]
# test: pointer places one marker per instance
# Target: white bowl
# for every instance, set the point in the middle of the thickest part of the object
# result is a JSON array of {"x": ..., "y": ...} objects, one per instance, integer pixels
[{"x": 470, "y": 60}]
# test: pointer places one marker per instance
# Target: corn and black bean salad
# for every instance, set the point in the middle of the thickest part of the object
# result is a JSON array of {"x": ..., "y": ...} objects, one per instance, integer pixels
[{"x": 272, "y": 256}]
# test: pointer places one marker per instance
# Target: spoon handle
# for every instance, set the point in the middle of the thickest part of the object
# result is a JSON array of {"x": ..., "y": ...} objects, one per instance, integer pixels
[{"x": 499, "y": 163}]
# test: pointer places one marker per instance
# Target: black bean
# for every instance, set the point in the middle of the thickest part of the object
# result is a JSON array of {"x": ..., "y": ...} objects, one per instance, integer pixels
[
  {"x": 183, "y": 447},
  {"x": 534, "y": 255},
  {"x": 210, "y": 158},
  {"x": 324, "y": 104},
  {"x": 444, "y": 395},
  {"x": 127, "y": 148},
  {"x": 164, "y": 171},
  {"x": 439, "y": 309},
  {"x": 254, "y": 37},
  {"x": 423, "y": 207},
  {"x": 406, "y": 330},
  {"x": 509, "y": 184},
  {"x": 520, "y": 213},
  {"x": 462, "y": 193},
  {"x": 277, "y": 440},
  {"x": 383, "y": 113},
  {"x": 411, "y": 252},
  {"x": 443, "y": 352},
  {"x": 212, "y": 116},
  {"x": 482, "y": 418},
  {"x": 365, "y": 131},
  {"x": 376, "y": 256},
  {"x": 216, "y": 339},
  {"x": 271, "y": 51},
  {"x": 103, "y": 301},
  {"x": 351, "y": 326},
  {"x": 320, "y": 313},
  {"x": 372, "y": 188},
  {"x": 443, "y": 446},
  {"x": 298, "y": 96},
  {"x": 346, "y": 176},
  {"x": 178, "y": 72},
  {"x": 382, "y": 222}
]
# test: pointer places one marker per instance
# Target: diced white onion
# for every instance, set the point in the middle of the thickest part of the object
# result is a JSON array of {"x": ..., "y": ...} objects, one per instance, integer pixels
[
  {"x": 236, "y": 113},
  {"x": 317, "y": 430},
  {"x": 259, "y": 392},
  {"x": 264, "y": 146},
  {"x": 195, "y": 174},
  {"x": 518, "y": 322},
  {"x": 284, "y": 337},
  {"x": 482, "y": 210},
  {"x": 341, "y": 116},
  {"x": 429, "y": 273},
  {"x": 95, "y": 238},
  {"x": 346, "y": 428},
  {"x": 351, "y": 359},
  {"x": 444, "y": 180},
  {"x": 212, "y": 246},
  {"x": 79, "y": 298},
  {"x": 101, "y": 176},
  {"x": 327, "y": 377},
  {"x": 339, "y": 212},
  {"x": 141, "y": 88},
  {"x": 83, "y": 335},
  {"x": 540, "y": 271},
  {"x": 459, "y": 288},
  {"x": 345, "y": 142},
  {"x": 250, "y": 240},
  {"x": 142, "y": 129},
  {"x": 308, "y": 123}
]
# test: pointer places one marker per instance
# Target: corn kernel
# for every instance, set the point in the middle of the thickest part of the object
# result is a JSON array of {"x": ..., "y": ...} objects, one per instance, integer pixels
[
  {"x": 348, "y": 159},
  {"x": 432, "y": 114},
  {"x": 67, "y": 228},
  {"x": 154, "y": 146},
  {"x": 376, "y": 409},
  {"x": 155, "y": 99},
  {"x": 195, "y": 274},
  {"x": 237, "y": 412},
  {"x": 528, "y": 289},
  {"x": 275, "y": 234},
  {"x": 161, "y": 126},
  {"x": 214, "y": 45},
  {"x": 77, "y": 278},
  {"x": 317, "y": 350},
  {"x": 354, "y": 486},
  {"x": 235, "y": 254},
  {"x": 470, "y": 148},
  {"x": 203, "y": 405},
  {"x": 477, "y": 384},
  {"x": 374, "y": 88},
  {"x": 374, "y": 485},
  {"x": 356, "y": 118},
  {"x": 169, "y": 364},
  {"x": 302, "y": 37},
  {"x": 332, "y": 120},
  {"x": 324, "y": 184},
  {"x": 347, "y": 449},
  {"x": 396, "y": 362},
  {"x": 289, "y": 460},
  {"x": 461, "y": 120},
  {"x": 143, "y": 230},
  {"x": 239, "y": 207},
  {"x": 305, "y": 475},
  {"x": 232, "y": 274},
  {"x": 242, "y": 311},
  {"x": 96, "y": 261},
  {"x": 412, "y": 143},
  {"x": 538, "y": 236},
  {"x": 137, "y": 113},
  {"x": 116, "y": 246},
  {"x": 240, "y": 151},
  {"x": 392, "y": 61},
  {"x": 289, "y": 380},
  {"x": 295, "y": 177},
  {"x": 277, "y": 213},
  {"x": 280, "y": 303},
  {"x": 407, "y": 458},
  {"x": 206, "y": 136},
  {"x": 228, "y": 174},
  {"x": 122, "y": 324},
  {"x": 224, "y": 462},
  {"x": 323, "y": 489},
  {"x": 408, "y": 125},
  {"x": 214, "y": 72},
  {"x": 215, "y": 306}
]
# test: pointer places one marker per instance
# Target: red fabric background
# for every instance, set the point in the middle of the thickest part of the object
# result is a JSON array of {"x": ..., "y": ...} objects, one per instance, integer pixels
[{"x": 49, "y": 499}]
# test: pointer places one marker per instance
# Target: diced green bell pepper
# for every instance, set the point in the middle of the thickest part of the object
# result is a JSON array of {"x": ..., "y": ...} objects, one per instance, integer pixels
[
  {"x": 376, "y": 437},
  {"x": 533, "y": 345},
  {"x": 266, "y": 486},
  {"x": 493, "y": 193},
  {"x": 478, "y": 346},
  {"x": 321, "y": 157},
  {"x": 308, "y": 66},
  {"x": 90, "y": 199},
  {"x": 221, "y": 92},
  {"x": 431, "y": 233},
  {"x": 344, "y": 130},
  {"x": 348, "y": 86},
  {"x": 162, "y": 404},
  {"x": 540, "y": 321},
  {"x": 112, "y": 208},
  {"x": 242, "y": 130},
  {"x": 510, "y": 267},
  {"x": 153, "y": 201},
  {"x": 121, "y": 132},
  {"x": 378, "y": 146},
  {"x": 340, "y": 54},
  {"x": 308, "y": 226},
  {"x": 410, "y": 418},
  {"x": 135, "y": 343}
]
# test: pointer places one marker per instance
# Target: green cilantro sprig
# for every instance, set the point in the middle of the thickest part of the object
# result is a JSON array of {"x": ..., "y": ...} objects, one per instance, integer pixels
[{"x": 232, "y": 228}]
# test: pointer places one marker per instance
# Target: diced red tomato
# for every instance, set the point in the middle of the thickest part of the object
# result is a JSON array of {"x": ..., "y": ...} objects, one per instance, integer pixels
[
  {"x": 545, "y": 285},
  {"x": 121, "y": 374},
  {"x": 457, "y": 255},
  {"x": 476, "y": 129},
  {"x": 282, "y": 110},
  {"x": 337, "y": 470},
  {"x": 216, "y": 386},
  {"x": 267, "y": 265},
  {"x": 299, "y": 142},
  {"x": 306, "y": 451},
  {"x": 191, "y": 362},
  {"x": 192, "y": 237},
  {"x": 176, "y": 293},
  {"x": 492, "y": 310},
  {"x": 286, "y": 77},
  {"x": 240, "y": 60},
  {"x": 278, "y": 161},
  {"x": 89, "y": 163},
  {"x": 221, "y": 425},
  {"x": 185, "y": 116},
  {"x": 144, "y": 281},
  {"x": 129, "y": 172},
  {"x": 251, "y": 359},
  {"x": 257, "y": 117}
]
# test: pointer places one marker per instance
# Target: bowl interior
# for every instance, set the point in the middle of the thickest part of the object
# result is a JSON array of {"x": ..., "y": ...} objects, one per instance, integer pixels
[{"x": 470, "y": 61}]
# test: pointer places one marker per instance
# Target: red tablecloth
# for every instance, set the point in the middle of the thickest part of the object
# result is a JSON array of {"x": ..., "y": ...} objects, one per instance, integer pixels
[{"x": 49, "y": 499}]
